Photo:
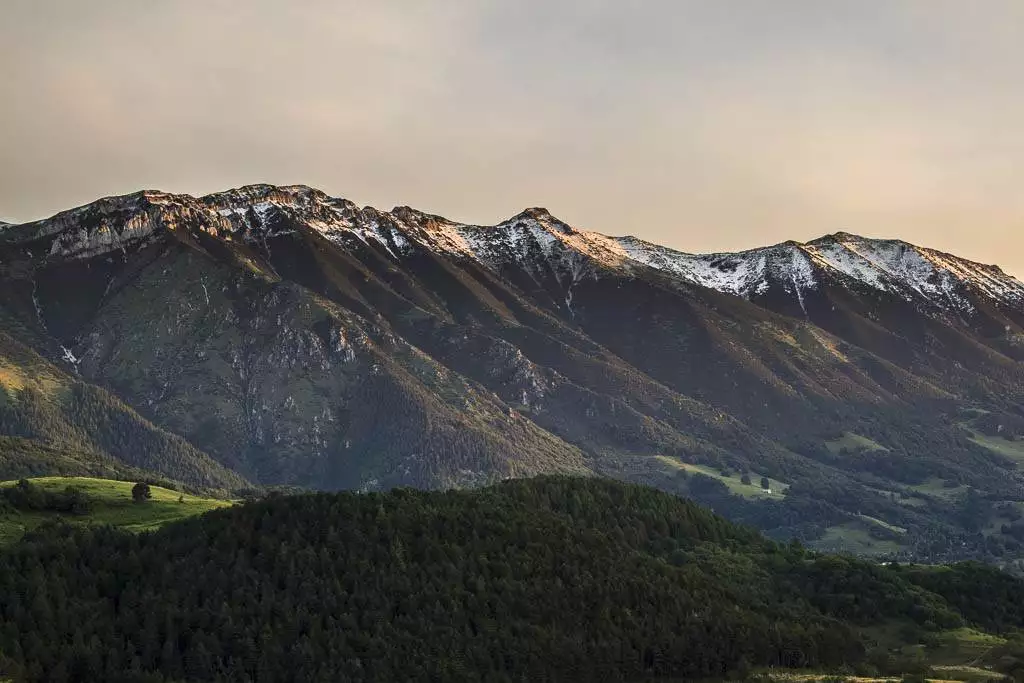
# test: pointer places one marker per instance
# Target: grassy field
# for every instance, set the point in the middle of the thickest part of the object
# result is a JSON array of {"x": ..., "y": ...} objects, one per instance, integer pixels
[
  {"x": 963, "y": 647},
  {"x": 882, "y": 523},
  {"x": 945, "y": 675},
  {"x": 956, "y": 655},
  {"x": 1014, "y": 450},
  {"x": 853, "y": 538},
  {"x": 112, "y": 504},
  {"x": 733, "y": 481},
  {"x": 935, "y": 487},
  {"x": 855, "y": 443}
]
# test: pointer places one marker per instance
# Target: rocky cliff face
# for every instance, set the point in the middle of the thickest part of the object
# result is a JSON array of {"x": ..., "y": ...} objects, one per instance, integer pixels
[{"x": 299, "y": 338}]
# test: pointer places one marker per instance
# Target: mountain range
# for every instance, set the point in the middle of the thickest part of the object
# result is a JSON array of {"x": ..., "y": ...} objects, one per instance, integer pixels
[{"x": 859, "y": 394}]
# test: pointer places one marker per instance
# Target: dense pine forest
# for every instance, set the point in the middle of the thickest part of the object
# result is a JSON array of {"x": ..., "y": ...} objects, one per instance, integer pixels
[{"x": 553, "y": 578}]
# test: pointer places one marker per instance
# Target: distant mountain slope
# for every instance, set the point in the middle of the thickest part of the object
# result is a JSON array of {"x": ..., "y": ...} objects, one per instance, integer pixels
[
  {"x": 300, "y": 339},
  {"x": 947, "y": 318},
  {"x": 54, "y": 423}
]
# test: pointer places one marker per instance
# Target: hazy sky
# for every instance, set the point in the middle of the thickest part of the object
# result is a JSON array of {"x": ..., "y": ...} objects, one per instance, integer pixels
[{"x": 709, "y": 125}]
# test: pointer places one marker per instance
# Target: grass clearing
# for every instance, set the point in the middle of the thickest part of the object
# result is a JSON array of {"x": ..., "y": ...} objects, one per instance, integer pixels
[
  {"x": 962, "y": 647},
  {"x": 942, "y": 674},
  {"x": 810, "y": 678},
  {"x": 967, "y": 674},
  {"x": 854, "y": 443},
  {"x": 976, "y": 412},
  {"x": 882, "y": 523},
  {"x": 853, "y": 538},
  {"x": 937, "y": 488},
  {"x": 112, "y": 504},
  {"x": 733, "y": 481},
  {"x": 1013, "y": 450}
]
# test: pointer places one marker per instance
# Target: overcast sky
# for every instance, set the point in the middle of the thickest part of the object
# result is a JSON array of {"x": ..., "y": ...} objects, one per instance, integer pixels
[{"x": 705, "y": 125}]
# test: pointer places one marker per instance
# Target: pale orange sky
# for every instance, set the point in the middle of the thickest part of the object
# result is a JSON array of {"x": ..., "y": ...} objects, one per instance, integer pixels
[{"x": 711, "y": 125}]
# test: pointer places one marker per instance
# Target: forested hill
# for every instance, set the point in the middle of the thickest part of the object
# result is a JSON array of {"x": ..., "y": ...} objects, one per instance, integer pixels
[{"x": 546, "y": 579}]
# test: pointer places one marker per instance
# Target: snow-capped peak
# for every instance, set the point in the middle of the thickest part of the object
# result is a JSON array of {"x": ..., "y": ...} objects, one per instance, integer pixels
[
  {"x": 912, "y": 272},
  {"x": 243, "y": 198},
  {"x": 533, "y": 239},
  {"x": 542, "y": 217}
]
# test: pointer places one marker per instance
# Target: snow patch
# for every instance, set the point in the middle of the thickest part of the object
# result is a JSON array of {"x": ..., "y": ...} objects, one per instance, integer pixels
[
  {"x": 914, "y": 273},
  {"x": 534, "y": 241},
  {"x": 69, "y": 357}
]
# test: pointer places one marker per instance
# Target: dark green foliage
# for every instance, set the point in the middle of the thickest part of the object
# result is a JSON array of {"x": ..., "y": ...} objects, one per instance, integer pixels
[
  {"x": 141, "y": 492},
  {"x": 865, "y": 593},
  {"x": 914, "y": 678},
  {"x": 1008, "y": 659},
  {"x": 27, "y": 496},
  {"x": 24, "y": 458},
  {"x": 93, "y": 422},
  {"x": 984, "y": 595},
  {"x": 545, "y": 579}
]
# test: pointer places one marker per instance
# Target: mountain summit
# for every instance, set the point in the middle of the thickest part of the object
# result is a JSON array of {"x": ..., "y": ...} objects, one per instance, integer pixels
[
  {"x": 278, "y": 335},
  {"x": 929, "y": 277}
]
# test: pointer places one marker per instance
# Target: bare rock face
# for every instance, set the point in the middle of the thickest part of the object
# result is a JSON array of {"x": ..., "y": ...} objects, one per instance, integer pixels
[{"x": 297, "y": 338}]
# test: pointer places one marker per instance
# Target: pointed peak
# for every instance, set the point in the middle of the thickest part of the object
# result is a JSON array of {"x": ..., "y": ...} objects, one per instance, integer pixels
[
  {"x": 411, "y": 215},
  {"x": 259, "y": 191},
  {"x": 843, "y": 237},
  {"x": 535, "y": 212},
  {"x": 835, "y": 238},
  {"x": 132, "y": 198},
  {"x": 542, "y": 216}
]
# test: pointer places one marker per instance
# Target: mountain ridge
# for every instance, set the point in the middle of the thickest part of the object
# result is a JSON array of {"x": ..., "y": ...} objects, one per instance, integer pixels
[
  {"x": 301, "y": 196},
  {"x": 828, "y": 251},
  {"x": 297, "y": 338}
]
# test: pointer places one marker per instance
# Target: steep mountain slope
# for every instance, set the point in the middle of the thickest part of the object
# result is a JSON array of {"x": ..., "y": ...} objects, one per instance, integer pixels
[
  {"x": 52, "y": 422},
  {"x": 957, "y": 322},
  {"x": 298, "y": 338},
  {"x": 278, "y": 382}
]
